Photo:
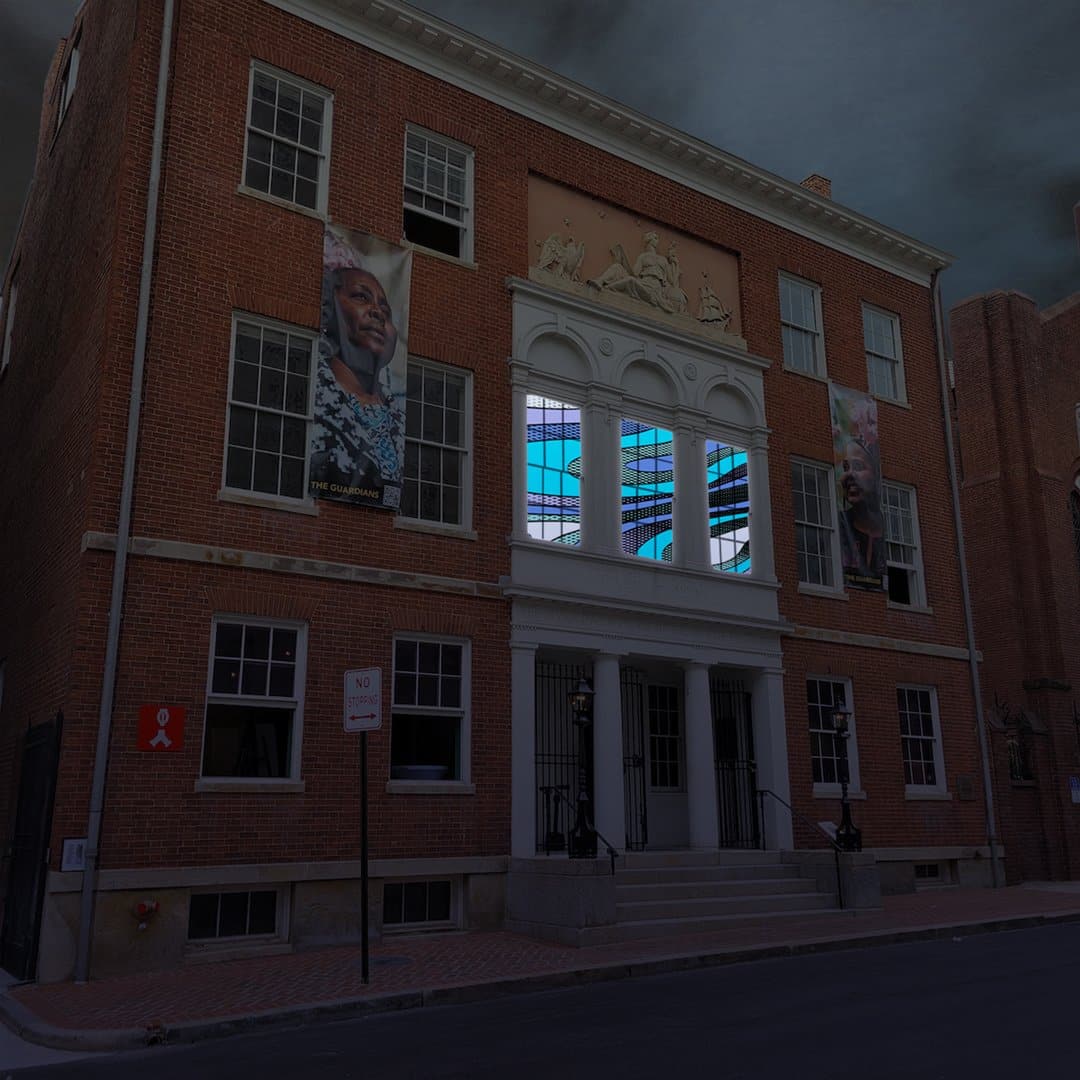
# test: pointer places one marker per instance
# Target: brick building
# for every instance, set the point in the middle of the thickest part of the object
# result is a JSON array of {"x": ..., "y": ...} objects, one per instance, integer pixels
[
  {"x": 644, "y": 496},
  {"x": 1018, "y": 419}
]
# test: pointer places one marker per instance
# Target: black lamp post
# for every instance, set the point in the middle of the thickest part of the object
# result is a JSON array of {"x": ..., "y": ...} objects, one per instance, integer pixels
[
  {"x": 582, "y": 839},
  {"x": 847, "y": 836}
]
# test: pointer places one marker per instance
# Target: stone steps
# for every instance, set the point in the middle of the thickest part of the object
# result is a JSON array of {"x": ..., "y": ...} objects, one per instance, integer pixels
[
  {"x": 692, "y": 889},
  {"x": 695, "y": 908},
  {"x": 665, "y": 928},
  {"x": 672, "y": 874}
]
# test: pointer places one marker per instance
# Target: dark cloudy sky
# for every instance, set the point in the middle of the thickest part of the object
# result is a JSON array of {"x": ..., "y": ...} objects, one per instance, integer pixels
[{"x": 956, "y": 121}]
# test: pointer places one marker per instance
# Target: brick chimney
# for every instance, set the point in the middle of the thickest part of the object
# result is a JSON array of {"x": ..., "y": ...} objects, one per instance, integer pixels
[{"x": 819, "y": 185}]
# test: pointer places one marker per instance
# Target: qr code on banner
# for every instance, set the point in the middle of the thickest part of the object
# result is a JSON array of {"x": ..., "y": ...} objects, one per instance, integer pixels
[{"x": 391, "y": 496}]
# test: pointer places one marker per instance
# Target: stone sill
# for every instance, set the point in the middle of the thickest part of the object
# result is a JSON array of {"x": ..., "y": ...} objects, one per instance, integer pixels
[
  {"x": 430, "y": 787},
  {"x": 254, "y": 785}
]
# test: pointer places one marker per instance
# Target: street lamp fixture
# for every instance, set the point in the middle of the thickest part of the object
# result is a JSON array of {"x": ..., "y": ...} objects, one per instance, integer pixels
[
  {"x": 582, "y": 839},
  {"x": 848, "y": 836}
]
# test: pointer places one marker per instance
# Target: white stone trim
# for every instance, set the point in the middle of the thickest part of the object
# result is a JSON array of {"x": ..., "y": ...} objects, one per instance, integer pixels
[
  {"x": 482, "y": 68},
  {"x": 872, "y": 641}
]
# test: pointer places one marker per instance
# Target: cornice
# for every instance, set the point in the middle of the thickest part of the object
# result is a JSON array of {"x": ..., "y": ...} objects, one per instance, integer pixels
[{"x": 451, "y": 54}]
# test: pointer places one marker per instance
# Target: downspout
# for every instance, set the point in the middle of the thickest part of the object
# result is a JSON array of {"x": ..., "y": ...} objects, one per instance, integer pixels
[
  {"x": 965, "y": 591},
  {"x": 123, "y": 530}
]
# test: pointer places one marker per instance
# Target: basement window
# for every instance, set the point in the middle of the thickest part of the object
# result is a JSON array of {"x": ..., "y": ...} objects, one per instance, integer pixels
[
  {"x": 414, "y": 904},
  {"x": 233, "y": 915}
]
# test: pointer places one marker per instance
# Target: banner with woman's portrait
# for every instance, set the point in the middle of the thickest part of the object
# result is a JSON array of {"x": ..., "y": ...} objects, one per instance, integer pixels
[
  {"x": 858, "y": 487},
  {"x": 358, "y": 429}
]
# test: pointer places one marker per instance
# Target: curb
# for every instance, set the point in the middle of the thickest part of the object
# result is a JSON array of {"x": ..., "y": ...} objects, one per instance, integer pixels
[{"x": 28, "y": 1026}]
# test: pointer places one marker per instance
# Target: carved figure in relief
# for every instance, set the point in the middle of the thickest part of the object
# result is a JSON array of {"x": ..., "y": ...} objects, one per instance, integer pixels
[
  {"x": 653, "y": 279},
  {"x": 712, "y": 311},
  {"x": 562, "y": 260}
]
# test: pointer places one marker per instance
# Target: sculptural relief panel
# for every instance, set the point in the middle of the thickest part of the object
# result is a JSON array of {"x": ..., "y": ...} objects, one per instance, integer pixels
[{"x": 611, "y": 255}]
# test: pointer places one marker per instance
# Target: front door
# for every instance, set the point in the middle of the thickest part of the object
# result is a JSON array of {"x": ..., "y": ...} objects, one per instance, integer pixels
[
  {"x": 736, "y": 774},
  {"x": 666, "y": 766}
]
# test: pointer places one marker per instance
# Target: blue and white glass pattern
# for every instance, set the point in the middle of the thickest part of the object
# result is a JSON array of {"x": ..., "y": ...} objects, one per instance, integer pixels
[
  {"x": 729, "y": 508},
  {"x": 647, "y": 486},
  {"x": 554, "y": 470}
]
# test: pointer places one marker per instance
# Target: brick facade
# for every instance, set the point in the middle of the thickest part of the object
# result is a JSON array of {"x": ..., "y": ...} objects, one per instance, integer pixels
[
  {"x": 1016, "y": 407},
  {"x": 62, "y": 433}
]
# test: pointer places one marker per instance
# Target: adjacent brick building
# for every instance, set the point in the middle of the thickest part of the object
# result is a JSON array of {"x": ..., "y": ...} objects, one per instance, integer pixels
[
  {"x": 664, "y": 419},
  {"x": 1017, "y": 393}
]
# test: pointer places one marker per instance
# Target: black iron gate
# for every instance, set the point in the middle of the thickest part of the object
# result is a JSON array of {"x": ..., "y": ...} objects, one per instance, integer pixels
[
  {"x": 632, "y": 686},
  {"x": 736, "y": 774},
  {"x": 556, "y": 754},
  {"x": 29, "y": 849}
]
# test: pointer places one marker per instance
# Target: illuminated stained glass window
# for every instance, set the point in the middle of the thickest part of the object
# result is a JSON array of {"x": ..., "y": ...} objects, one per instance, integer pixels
[
  {"x": 554, "y": 470},
  {"x": 648, "y": 484},
  {"x": 729, "y": 508}
]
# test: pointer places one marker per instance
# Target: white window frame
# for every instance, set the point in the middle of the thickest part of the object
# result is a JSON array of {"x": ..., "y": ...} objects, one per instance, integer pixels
[
  {"x": 299, "y": 681},
  {"x": 68, "y": 80},
  {"x": 464, "y": 523},
  {"x": 250, "y": 494},
  {"x": 916, "y": 575},
  {"x": 466, "y": 225},
  {"x": 837, "y": 586},
  {"x": 817, "y": 331},
  {"x": 898, "y": 360},
  {"x": 323, "y": 153},
  {"x": 940, "y": 787},
  {"x": 830, "y": 789},
  {"x": 405, "y": 927},
  {"x": 281, "y": 918},
  {"x": 9, "y": 323},
  {"x": 464, "y": 713}
]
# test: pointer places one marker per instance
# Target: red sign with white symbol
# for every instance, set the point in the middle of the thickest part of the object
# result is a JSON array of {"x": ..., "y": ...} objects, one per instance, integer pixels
[
  {"x": 363, "y": 699},
  {"x": 161, "y": 727}
]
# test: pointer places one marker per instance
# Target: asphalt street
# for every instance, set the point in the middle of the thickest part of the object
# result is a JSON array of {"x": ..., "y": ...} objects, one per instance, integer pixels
[{"x": 994, "y": 1005}]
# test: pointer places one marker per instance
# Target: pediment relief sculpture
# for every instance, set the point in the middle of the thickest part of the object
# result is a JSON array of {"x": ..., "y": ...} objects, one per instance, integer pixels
[{"x": 652, "y": 284}]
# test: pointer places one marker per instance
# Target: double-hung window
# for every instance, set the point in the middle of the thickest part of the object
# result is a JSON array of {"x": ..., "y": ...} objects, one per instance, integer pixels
[
  {"x": 255, "y": 699},
  {"x": 665, "y": 739},
  {"x": 832, "y": 758},
  {"x": 67, "y": 81},
  {"x": 437, "y": 442},
  {"x": 884, "y": 358},
  {"x": 429, "y": 733},
  {"x": 288, "y": 138},
  {"x": 800, "y": 326},
  {"x": 270, "y": 403},
  {"x": 902, "y": 549},
  {"x": 920, "y": 739},
  {"x": 816, "y": 545},
  {"x": 438, "y": 194}
]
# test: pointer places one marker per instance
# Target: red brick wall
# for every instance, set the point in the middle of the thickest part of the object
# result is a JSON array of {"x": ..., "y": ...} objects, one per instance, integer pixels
[
  {"x": 1016, "y": 396},
  {"x": 218, "y": 250},
  {"x": 50, "y": 405}
]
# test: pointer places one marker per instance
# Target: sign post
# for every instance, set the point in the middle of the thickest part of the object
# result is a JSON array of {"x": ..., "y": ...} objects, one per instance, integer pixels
[{"x": 363, "y": 713}]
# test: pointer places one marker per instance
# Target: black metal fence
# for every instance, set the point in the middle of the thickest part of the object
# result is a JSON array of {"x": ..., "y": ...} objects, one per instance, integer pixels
[
  {"x": 632, "y": 687},
  {"x": 556, "y": 754},
  {"x": 736, "y": 773}
]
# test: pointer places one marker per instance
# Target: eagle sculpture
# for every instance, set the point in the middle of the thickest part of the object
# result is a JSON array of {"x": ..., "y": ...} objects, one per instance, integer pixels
[{"x": 562, "y": 260}]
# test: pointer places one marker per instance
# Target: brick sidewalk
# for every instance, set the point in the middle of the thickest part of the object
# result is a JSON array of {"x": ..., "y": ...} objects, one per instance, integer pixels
[{"x": 417, "y": 965}]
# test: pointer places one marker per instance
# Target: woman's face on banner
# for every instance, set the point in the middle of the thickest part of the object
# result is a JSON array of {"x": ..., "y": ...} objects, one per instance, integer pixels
[
  {"x": 857, "y": 478},
  {"x": 366, "y": 316}
]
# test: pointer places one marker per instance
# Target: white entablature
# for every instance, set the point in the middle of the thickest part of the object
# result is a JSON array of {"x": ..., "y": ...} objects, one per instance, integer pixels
[{"x": 449, "y": 53}]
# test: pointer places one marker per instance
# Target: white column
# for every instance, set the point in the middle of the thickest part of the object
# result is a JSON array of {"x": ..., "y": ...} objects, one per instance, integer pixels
[
  {"x": 691, "y": 510},
  {"x": 762, "y": 564},
  {"x": 519, "y": 461},
  {"x": 609, "y": 806},
  {"x": 523, "y": 751},
  {"x": 700, "y": 765},
  {"x": 770, "y": 754},
  {"x": 601, "y": 504}
]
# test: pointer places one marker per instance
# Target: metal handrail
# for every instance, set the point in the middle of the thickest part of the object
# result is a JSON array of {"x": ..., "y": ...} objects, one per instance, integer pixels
[
  {"x": 611, "y": 850},
  {"x": 762, "y": 792}
]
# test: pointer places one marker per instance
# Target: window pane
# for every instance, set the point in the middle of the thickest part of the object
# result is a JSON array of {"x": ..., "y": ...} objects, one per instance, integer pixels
[
  {"x": 263, "y": 913},
  {"x": 246, "y": 740},
  {"x": 202, "y": 916},
  {"x": 424, "y": 747},
  {"x": 416, "y": 901},
  {"x": 226, "y": 678},
  {"x": 438, "y": 901},
  {"x": 648, "y": 487},
  {"x": 393, "y": 901},
  {"x": 233, "y": 914},
  {"x": 729, "y": 507}
]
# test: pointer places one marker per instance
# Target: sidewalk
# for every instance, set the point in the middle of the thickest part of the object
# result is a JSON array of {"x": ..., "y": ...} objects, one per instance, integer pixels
[{"x": 208, "y": 1000}]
